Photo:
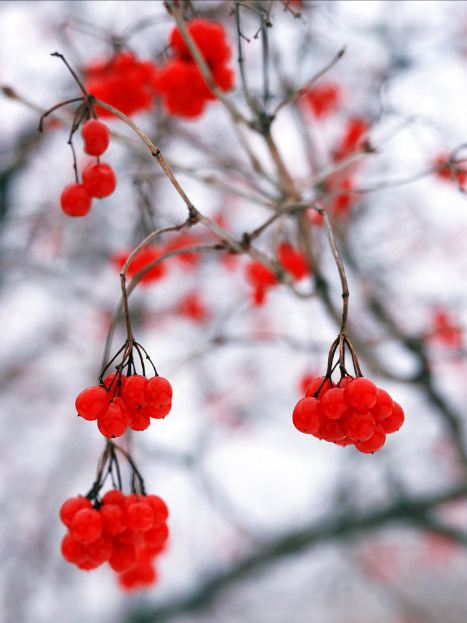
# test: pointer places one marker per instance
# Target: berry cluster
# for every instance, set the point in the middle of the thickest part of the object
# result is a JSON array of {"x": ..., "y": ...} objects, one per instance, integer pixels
[
  {"x": 322, "y": 99},
  {"x": 125, "y": 82},
  {"x": 450, "y": 171},
  {"x": 127, "y": 531},
  {"x": 99, "y": 179},
  {"x": 180, "y": 82},
  {"x": 262, "y": 278},
  {"x": 353, "y": 411},
  {"x": 125, "y": 401}
]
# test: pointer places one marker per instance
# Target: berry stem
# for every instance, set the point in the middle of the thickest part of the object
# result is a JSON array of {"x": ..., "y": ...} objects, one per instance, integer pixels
[{"x": 72, "y": 72}]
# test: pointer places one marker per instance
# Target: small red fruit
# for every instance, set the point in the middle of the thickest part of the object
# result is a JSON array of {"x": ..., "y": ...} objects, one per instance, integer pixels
[
  {"x": 75, "y": 200},
  {"x": 99, "y": 180},
  {"x": 96, "y": 137},
  {"x": 307, "y": 415}
]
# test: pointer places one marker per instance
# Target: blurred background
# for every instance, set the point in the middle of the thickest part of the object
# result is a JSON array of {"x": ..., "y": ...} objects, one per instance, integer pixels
[{"x": 266, "y": 523}]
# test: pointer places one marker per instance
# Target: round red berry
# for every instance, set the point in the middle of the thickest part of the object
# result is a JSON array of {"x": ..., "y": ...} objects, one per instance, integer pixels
[
  {"x": 123, "y": 557},
  {"x": 361, "y": 394},
  {"x": 99, "y": 180},
  {"x": 334, "y": 404},
  {"x": 72, "y": 550},
  {"x": 96, "y": 137},
  {"x": 113, "y": 497},
  {"x": 114, "y": 421},
  {"x": 71, "y": 506},
  {"x": 383, "y": 406},
  {"x": 159, "y": 508},
  {"x": 86, "y": 525},
  {"x": 75, "y": 200},
  {"x": 134, "y": 391},
  {"x": 307, "y": 415},
  {"x": 358, "y": 426},
  {"x": 158, "y": 390},
  {"x": 395, "y": 420},
  {"x": 92, "y": 402},
  {"x": 330, "y": 430},
  {"x": 319, "y": 383},
  {"x": 113, "y": 518},
  {"x": 158, "y": 411},
  {"x": 376, "y": 442},
  {"x": 140, "y": 516}
]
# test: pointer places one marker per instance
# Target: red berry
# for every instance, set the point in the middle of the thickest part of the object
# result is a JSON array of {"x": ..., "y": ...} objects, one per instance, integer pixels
[
  {"x": 307, "y": 415},
  {"x": 374, "y": 443},
  {"x": 99, "y": 551},
  {"x": 156, "y": 538},
  {"x": 114, "y": 497},
  {"x": 71, "y": 506},
  {"x": 114, "y": 421},
  {"x": 140, "y": 420},
  {"x": 345, "y": 382},
  {"x": 157, "y": 411},
  {"x": 330, "y": 430},
  {"x": 334, "y": 404},
  {"x": 86, "y": 525},
  {"x": 134, "y": 392},
  {"x": 113, "y": 518},
  {"x": 383, "y": 407},
  {"x": 140, "y": 516},
  {"x": 358, "y": 426},
  {"x": 72, "y": 550},
  {"x": 75, "y": 200},
  {"x": 395, "y": 420},
  {"x": 96, "y": 137},
  {"x": 92, "y": 403},
  {"x": 114, "y": 384},
  {"x": 159, "y": 508},
  {"x": 293, "y": 261},
  {"x": 361, "y": 394},
  {"x": 316, "y": 384},
  {"x": 123, "y": 557},
  {"x": 99, "y": 180},
  {"x": 158, "y": 390}
]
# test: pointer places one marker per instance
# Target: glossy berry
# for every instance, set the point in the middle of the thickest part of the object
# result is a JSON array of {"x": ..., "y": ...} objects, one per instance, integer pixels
[
  {"x": 393, "y": 423},
  {"x": 96, "y": 137},
  {"x": 114, "y": 519},
  {"x": 159, "y": 508},
  {"x": 140, "y": 516},
  {"x": 76, "y": 200},
  {"x": 334, "y": 404},
  {"x": 71, "y": 506},
  {"x": 306, "y": 416},
  {"x": 113, "y": 422},
  {"x": 72, "y": 550},
  {"x": 86, "y": 525},
  {"x": 361, "y": 394},
  {"x": 383, "y": 407},
  {"x": 99, "y": 180},
  {"x": 376, "y": 442},
  {"x": 319, "y": 383},
  {"x": 331, "y": 430},
  {"x": 92, "y": 403},
  {"x": 358, "y": 426},
  {"x": 114, "y": 497},
  {"x": 158, "y": 390}
]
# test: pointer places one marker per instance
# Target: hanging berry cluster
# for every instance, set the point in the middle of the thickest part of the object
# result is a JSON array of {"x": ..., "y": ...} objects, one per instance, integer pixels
[
  {"x": 126, "y": 400},
  {"x": 262, "y": 279},
  {"x": 352, "y": 411},
  {"x": 180, "y": 82},
  {"x": 127, "y": 531},
  {"x": 99, "y": 178}
]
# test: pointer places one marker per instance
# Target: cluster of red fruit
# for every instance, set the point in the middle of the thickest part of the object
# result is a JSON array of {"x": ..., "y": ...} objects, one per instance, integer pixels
[
  {"x": 445, "y": 330},
  {"x": 99, "y": 179},
  {"x": 125, "y": 82},
  {"x": 130, "y": 84},
  {"x": 262, "y": 278},
  {"x": 127, "y": 531},
  {"x": 180, "y": 82},
  {"x": 151, "y": 253},
  {"x": 447, "y": 171},
  {"x": 322, "y": 99},
  {"x": 354, "y": 411},
  {"x": 125, "y": 401}
]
